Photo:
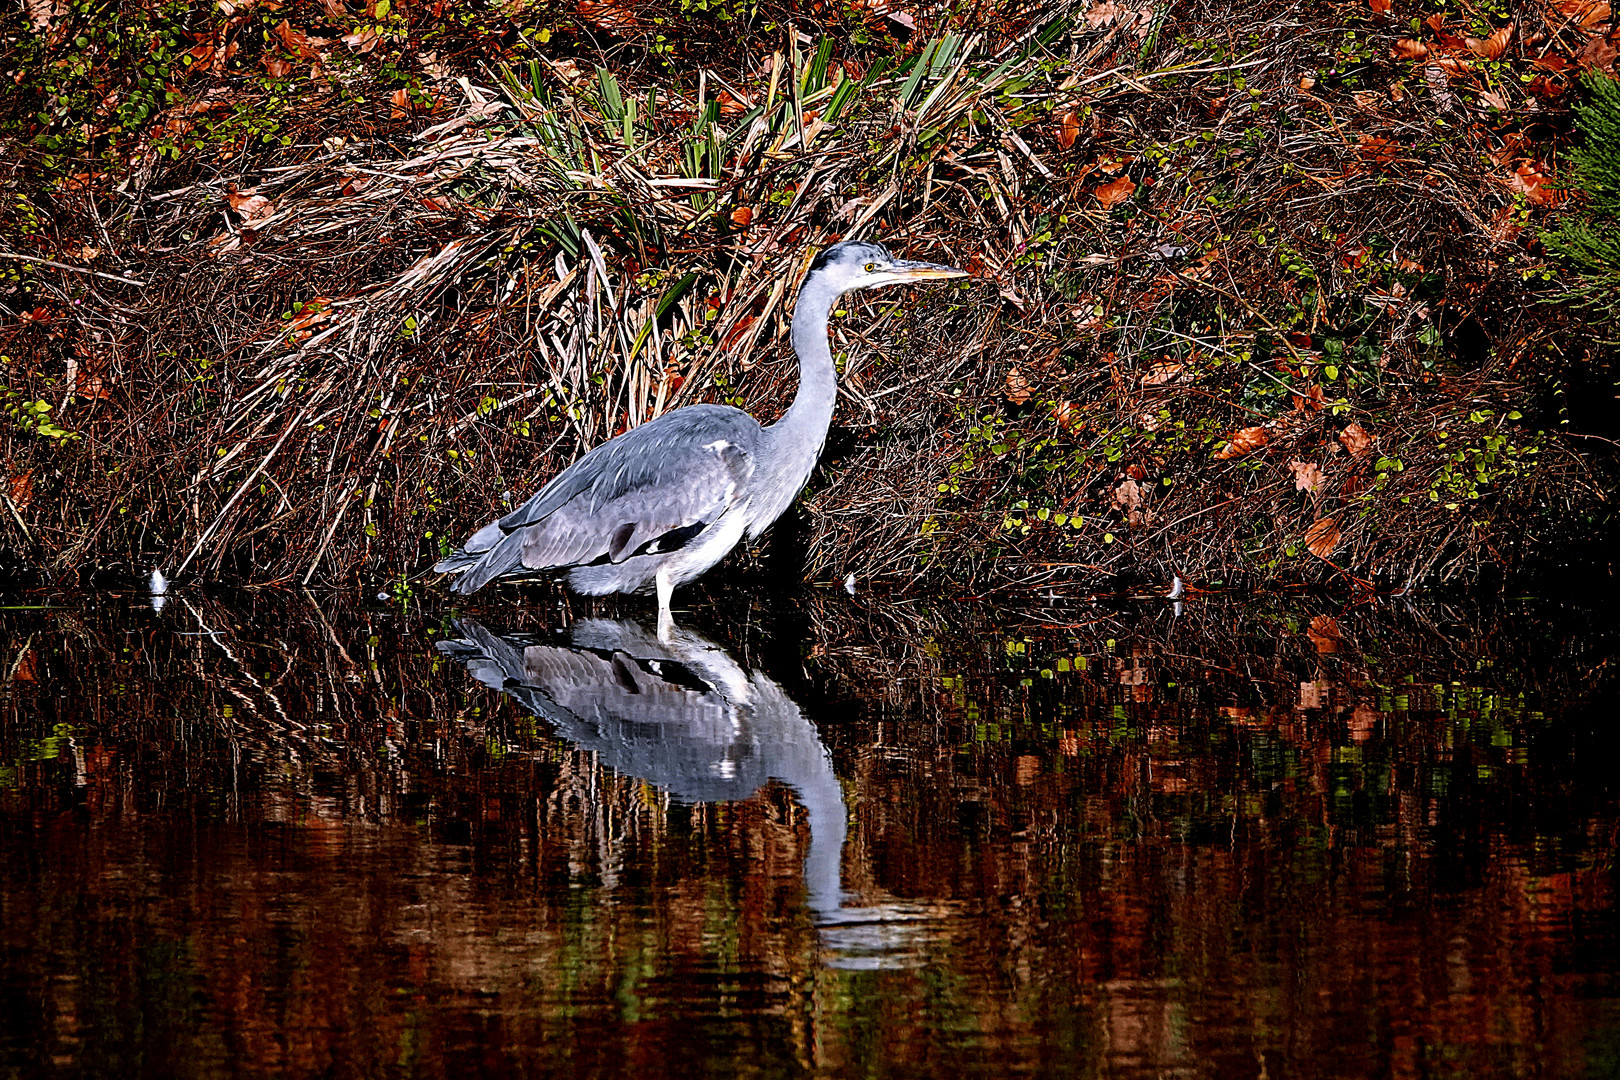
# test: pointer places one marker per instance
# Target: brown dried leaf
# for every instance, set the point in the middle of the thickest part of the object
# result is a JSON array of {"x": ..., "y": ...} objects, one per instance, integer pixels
[
  {"x": 1382, "y": 151},
  {"x": 1535, "y": 185},
  {"x": 1068, "y": 129},
  {"x": 741, "y": 216},
  {"x": 1324, "y": 633},
  {"x": 1380, "y": 7},
  {"x": 1244, "y": 441},
  {"x": 1355, "y": 439},
  {"x": 1017, "y": 387},
  {"x": 24, "y": 668},
  {"x": 400, "y": 100},
  {"x": 1599, "y": 55},
  {"x": 1492, "y": 47},
  {"x": 276, "y": 69},
  {"x": 1115, "y": 192},
  {"x": 251, "y": 207},
  {"x": 22, "y": 488},
  {"x": 1322, "y": 537},
  {"x": 363, "y": 40},
  {"x": 294, "y": 41},
  {"x": 1162, "y": 373},
  {"x": 1128, "y": 495},
  {"x": 1408, "y": 49},
  {"x": 1585, "y": 13},
  {"x": 1307, "y": 475}
]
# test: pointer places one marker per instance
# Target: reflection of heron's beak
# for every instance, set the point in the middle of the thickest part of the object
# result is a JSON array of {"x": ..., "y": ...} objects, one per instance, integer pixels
[{"x": 904, "y": 270}]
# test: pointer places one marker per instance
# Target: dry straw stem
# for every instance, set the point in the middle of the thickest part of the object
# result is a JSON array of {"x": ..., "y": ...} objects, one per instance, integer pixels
[{"x": 346, "y": 354}]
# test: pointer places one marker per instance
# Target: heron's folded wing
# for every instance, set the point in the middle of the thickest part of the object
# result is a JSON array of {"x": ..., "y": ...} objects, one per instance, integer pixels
[{"x": 641, "y": 507}]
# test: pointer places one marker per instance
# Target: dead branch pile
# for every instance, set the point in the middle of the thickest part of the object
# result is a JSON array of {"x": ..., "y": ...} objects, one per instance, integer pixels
[{"x": 1257, "y": 300}]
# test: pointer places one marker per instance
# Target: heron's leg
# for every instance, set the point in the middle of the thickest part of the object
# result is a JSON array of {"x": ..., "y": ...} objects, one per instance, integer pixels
[{"x": 666, "y": 621}]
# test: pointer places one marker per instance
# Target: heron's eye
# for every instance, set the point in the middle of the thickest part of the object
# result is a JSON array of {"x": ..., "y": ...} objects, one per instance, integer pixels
[{"x": 871, "y": 268}]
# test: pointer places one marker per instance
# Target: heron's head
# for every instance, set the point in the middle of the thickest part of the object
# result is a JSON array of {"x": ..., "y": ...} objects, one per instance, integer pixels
[{"x": 857, "y": 264}]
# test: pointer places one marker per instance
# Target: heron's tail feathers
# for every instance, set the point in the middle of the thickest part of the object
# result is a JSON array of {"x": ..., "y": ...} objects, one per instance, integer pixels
[{"x": 478, "y": 568}]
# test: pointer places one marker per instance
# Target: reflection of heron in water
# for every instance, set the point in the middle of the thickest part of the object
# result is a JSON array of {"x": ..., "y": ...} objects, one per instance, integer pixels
[{"x": 679, "y": 713}]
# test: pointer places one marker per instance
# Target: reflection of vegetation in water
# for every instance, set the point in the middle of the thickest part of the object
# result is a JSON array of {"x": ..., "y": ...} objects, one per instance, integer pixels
[{"x": 1232, "y": 833}]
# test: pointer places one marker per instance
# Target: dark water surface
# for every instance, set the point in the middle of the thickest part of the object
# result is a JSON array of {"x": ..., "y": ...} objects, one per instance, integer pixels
[{"x": 272, "y": 836}]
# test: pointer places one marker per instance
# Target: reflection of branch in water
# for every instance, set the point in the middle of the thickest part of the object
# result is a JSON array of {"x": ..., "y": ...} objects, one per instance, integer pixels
[{"x": 289, "y": 732}]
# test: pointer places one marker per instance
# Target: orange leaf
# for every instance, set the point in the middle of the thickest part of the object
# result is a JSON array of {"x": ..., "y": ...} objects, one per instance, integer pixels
[
  {"x": 1355, "y": 439},
  {"x": 401, "y": 101},
  {"x": 1322, "y": 537},
  {"x": 1244, "y": 441},
  {"x": 1068, "y": 129},
  {"x": 1115, "y": 192},
  {"x": 1407, "y": 49},
  {"x": 741, "y": 216},
  {"x": 1380, "y": 7},
  {"x": 276, "y": 69}
]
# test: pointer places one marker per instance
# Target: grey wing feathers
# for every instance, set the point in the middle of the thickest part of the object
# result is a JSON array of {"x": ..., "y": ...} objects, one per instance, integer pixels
[{"x": 679, "y": 471}]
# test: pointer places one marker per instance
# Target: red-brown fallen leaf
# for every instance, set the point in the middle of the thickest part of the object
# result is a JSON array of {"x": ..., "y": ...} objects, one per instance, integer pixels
[
  {"x": 1543, "y": 87},
  {"x": 1115, "y": 192},
  {"x": 1309, "y": 399},
  {"x": 39, "y": 315},
  {"x": 22, "y": 488},
  {"x": 276, "y": 69},
  {"x": 741, "y": 216},
  {"x": 1492, "y": 47},
  {"x": 1382, "y": 151},
  {"x": 90, "y": 386},
  {"x": 1017, "y": 387},
  {"x": 1162, "y": 373},
  {"x": 1307, "y": 475},
  {"x": 1599, "y": 55},
  {"x": 1068, "y": 129},
  {"x": 356, "y": 184},
  {"x": 1324, "y": 633},
  {"x": 1380, "y": 7},
  {"x": 251, "y": 207},
  {"x": 1553, "y": 63},
  {"x": 1585, "y": 13},
  {"x": 1322, "y": 537},
  {"x": 1355, "y": 439},
  {"x": 436, "y": 202},
  {"x": 363, "y": 40},
  {"x": 613, "y": 17},
  {"x": 294, "y": 41},
  {"x": 731, "y": 106},
  {"x": 1244, "y": 441},
  {"x": 1451, "y": 65},
  {"x": 24, "y": 670},
  {"x": 1535, "y": 185},
  {"x": 1408, "y": 49},
  {"x": 400, "y": 100},
  {"x": 738, "y": 331}
]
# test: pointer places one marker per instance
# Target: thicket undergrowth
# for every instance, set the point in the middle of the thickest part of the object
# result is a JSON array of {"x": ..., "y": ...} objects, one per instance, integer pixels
[{"x": 298, "y": 292}]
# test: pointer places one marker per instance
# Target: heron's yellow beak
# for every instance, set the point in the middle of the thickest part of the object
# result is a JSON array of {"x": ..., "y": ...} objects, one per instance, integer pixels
[{"x": 904, "y": 270}]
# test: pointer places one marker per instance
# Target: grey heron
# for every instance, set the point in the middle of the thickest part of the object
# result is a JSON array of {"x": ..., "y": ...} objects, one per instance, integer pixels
[{"x": 660, "y": 504}]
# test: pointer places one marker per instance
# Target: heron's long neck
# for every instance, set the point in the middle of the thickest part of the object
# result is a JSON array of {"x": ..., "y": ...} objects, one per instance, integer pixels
[
  {"x": 796, "y": 439},
  {"x": 805, "y": 423}
]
